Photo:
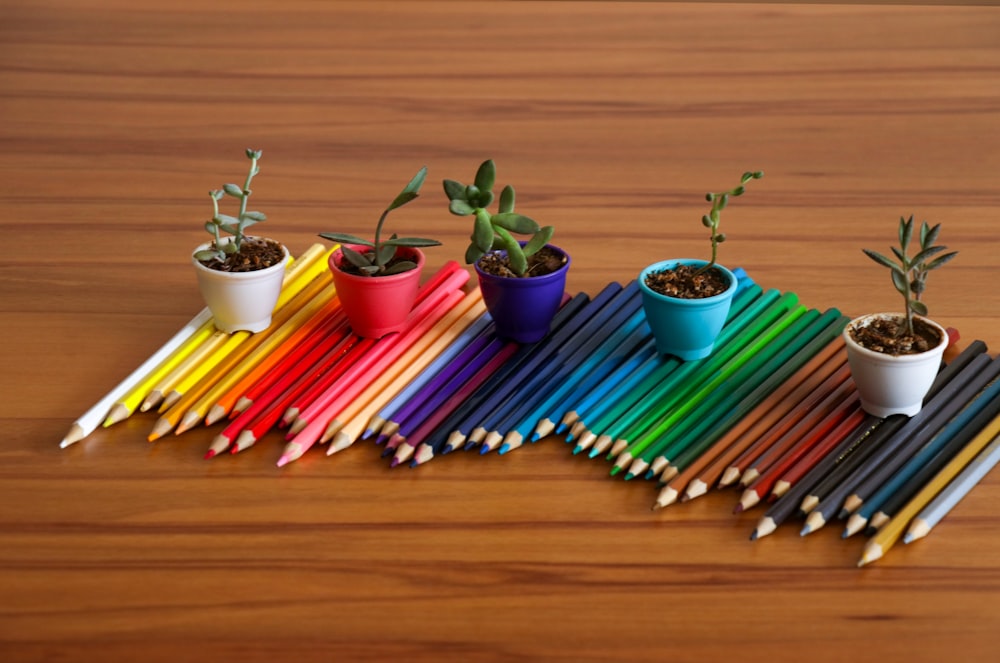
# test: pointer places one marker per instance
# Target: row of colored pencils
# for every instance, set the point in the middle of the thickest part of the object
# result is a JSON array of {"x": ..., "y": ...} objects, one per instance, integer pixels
[{"x": 772, "y": 409}]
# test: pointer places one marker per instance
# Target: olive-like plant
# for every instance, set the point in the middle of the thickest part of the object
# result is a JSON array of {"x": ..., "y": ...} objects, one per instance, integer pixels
[
  {"x": 909, "y": 275},
  {"x": 719, "y": 202},
  {"x": 495, "y": 231},
  {"x": 377, "y": 260},
  {"x": 234, "y": 225}
]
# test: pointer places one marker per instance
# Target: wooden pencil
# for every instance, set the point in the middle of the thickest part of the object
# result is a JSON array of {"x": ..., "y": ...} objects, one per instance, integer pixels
[{"x": 892, "y": 531}]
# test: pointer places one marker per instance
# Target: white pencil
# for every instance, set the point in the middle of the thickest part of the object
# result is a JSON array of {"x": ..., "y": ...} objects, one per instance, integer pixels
[
  {"x": 91, "y": 419},
  {"x": 954, "y": 492}
]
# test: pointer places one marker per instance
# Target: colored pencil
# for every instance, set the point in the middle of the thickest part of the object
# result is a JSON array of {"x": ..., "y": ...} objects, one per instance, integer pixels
[
  {"x": 315, "y": 417},
  {"x": 676, "y": 380},
  {"x": 945, "y": 401},
  {"x": 525, "y": 364},
  {"x": 887, "y": 536},
  {"x": 426, "y": 450},
  {"x": 670, "y": 408},
  {"x": 350, "y": 422},
  {"x": 786, "y": 387},
  {"x": 953, "y": 493},
  {"x": 576, "y": 348},
  {"x": 757, "y": 489},
  {"x": 190, "y": 407},
  {"x": 449, "y": 435},
  {"x": 251, "y": 423},
  {"x": 473, "y": 334},
  {"x": 627, "y": 401},
  {"x": 141, "y": 395},
  {"x": 959, "y": 405},
  {"x": 927, "y": 462},
  {"x": 796, "y": 421},
  {"x": 412, "y": 430},
  {"x": 816, "y": 330}
]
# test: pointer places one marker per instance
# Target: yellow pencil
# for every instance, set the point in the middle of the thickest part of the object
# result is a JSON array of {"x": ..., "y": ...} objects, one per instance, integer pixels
[
  {"x": 172, "y": 415},
  {"x": 893, "y": 530},
  {"x": 351, "y": 423},
  {"x": 158, "y": 386},
  {"x": 250, "y": 354}
]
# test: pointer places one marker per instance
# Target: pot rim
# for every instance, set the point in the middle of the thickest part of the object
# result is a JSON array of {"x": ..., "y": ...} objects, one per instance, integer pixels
[
  {"x": 240, "y": 275},
  {"x": 673, "y": 262},
  {"x": 333, "y": 261},
  {"x": 908, "y": 358},
  {"x": 551, "y": 275}
]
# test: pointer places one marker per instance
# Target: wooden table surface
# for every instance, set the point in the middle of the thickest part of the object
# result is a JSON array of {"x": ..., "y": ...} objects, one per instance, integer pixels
[{"x": 612, "y": 120}]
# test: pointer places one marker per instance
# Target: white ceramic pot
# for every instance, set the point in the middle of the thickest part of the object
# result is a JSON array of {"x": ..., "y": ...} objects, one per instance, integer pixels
[
  {"x": 240, "y": 301},
  {"x": 890, "y": 384}
]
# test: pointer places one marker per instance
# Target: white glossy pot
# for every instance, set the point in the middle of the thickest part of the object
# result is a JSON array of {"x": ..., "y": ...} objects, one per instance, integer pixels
[
  {"x": 240, "y": 301},
  {"x": 890, "y": 384}
]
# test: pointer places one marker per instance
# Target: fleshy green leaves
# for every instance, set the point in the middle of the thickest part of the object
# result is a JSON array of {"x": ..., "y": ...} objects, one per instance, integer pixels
[
  {"x": 378, "y": 260},
  {"x": 234, "y": 225},
  {"x": 719, "y": 202},
  {"x": 909, "y": 274},
  {"x": 492, "y": 231}
]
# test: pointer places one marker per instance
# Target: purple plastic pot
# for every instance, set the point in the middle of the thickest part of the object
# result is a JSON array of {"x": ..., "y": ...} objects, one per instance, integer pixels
[{"x": 523, "y": 308}]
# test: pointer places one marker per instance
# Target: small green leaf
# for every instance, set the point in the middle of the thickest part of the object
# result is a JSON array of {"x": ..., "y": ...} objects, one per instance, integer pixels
[
  {"x": 899, "y": 281},
  {"x": 357, "y": 259},
  {"x": 229, "y": 228},
  {"x": 739, "y": 191},
  {"x": 515, "y": 255},
  {"x": 482, "y": 231},
  {"x": 747, "y": 176},
  {"x": 401, "y": 199},
  {"x": 937, "y": 262},
  {"x": 486, "y": 175},
  {"x": 706, "y": 221},
  {"x": 723, "y": 201},
  {"x": 720, "y": 238},
  {"x": 918, "y": 307},
  {"x": 454, "y": 190},
  {"x": 473, "y": 254},
  {"x": 540, "y": 239},
  {"x": 928, "y": 234},
  {"x": 411, "y": 241},
  {"x": 905, "y": 231},
  {"x": 882, "y": 260},
  {"x": 231, "y": 247},
  {"x": 217, "y": 194},
  {"x": 256, "y": 216},
  {"x": 918, "y": 259},
  {"x": 225, "y": 218},
  {"x": 459, "y": 207},
  {"x": 417, "y": 181},
  {"x": 507, "y": 199},
  {"x": 345, "y": 238},
  {"x": 384, "y": 254},
  {"x": 254, "y": 154},
  {"x": 710, "y": 197},
  {"x": 517, "y": 223},
  {"x": 233, "y": 190},
  {"x": 485, "y": 198},
  {"x": 399, "y": 268},
  {"x": 207, "y": 254}
]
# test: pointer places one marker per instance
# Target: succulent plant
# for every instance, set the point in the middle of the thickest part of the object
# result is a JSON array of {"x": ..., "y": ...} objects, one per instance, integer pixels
[
  {"x": 909, "y": 274},
  {"x": 234, "y": 225},
  {"x": 495, "y": 231},
  {"x": 719, "y": 202},
  {"x": 377, "y": 261}
]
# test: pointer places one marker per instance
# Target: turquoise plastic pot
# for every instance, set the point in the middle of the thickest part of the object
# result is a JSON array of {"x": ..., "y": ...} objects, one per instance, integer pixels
[
  {"x": 522, "y": 308},
  {"x": 685, "y": 328}
]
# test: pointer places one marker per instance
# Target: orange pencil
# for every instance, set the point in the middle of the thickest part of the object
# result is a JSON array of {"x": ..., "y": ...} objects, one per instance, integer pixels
[
  {"x": 250, "y": 425},
  {"x": 317, "y": 415},
  {"x": 190, "y": 407},
  {"x": 772, "y": 409},
  {"x": 305, "y": 335}
]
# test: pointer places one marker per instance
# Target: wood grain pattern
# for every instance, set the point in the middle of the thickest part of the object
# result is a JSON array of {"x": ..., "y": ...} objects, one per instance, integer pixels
[{"x": 612, "y": 120}]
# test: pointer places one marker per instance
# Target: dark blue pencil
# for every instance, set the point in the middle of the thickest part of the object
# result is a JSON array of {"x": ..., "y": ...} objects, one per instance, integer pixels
[{"x": 570, "y": 355}]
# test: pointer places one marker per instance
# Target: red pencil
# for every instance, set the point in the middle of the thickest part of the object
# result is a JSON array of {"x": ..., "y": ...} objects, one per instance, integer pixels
[
  {"x": 787, "y": 421},
  {"x": 760, "y": 487},
  {"x": 270, "y": 405}
]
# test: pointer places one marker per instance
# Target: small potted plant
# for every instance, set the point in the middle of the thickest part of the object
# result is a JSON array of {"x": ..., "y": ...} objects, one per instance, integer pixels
[
  {"x": 239, "y": 275},
  {"x": 686, "y": 301},
  {"x": 377, "y": 280},
  {"x": 522, "y": 281},
  {"x": 894, "y": 357}
]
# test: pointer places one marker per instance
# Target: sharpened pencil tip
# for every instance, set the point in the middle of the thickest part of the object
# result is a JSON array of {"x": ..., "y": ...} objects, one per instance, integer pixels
[
  {"x": 394, "y": 462},
  {"x": 805, "y": 530},
  {"x": 629, "y": 476},
  {"x": 210, "y": 454},
  {"x": 504, "y": 448},
  {"x": 753, "y": 535},
  {"x": 284, "y": 460}
]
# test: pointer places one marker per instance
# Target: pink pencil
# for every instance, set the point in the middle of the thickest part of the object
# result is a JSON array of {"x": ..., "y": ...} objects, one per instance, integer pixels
[{"x": 318, "y": 414}]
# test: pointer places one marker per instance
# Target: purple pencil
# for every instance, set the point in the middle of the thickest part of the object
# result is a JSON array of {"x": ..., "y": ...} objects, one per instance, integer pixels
[
  {"x": 404, "y": 441},
  {"x": 426, "y": 392}
]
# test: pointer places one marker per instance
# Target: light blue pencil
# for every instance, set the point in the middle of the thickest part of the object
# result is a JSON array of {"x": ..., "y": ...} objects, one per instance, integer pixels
[
  {"x": 953, "y": 493},
  {"x": 480, "y": 326}
]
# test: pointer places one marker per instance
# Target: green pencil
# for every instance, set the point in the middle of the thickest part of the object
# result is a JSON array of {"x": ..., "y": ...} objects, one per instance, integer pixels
[
  {"x": 781, "y": 357},
  {"x": 661, "y": 391},
  {"x": 655, "y": 422},
  {"x": 779, "y": 369}
]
